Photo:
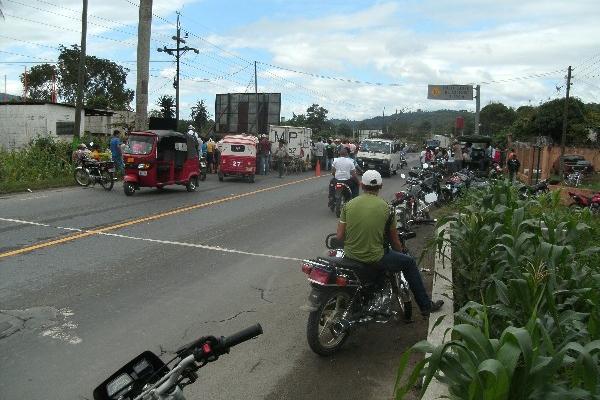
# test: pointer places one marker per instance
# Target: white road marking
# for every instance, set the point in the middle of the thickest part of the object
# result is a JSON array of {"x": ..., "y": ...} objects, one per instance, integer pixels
[
  {"x": 33, "y": 198},
  {"x": 185, "y": 244}
]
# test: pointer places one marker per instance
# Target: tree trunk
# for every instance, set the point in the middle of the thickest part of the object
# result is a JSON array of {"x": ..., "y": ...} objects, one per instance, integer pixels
[{"x": 143, "y": 61}]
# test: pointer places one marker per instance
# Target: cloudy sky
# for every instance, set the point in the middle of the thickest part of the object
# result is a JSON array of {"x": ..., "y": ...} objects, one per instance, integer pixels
[{"x": 518, "y": 51}]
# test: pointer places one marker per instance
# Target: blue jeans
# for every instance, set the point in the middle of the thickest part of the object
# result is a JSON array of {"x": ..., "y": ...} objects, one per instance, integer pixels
[
  {"x": 262, "y": 166},
  {"x": 329, "y": 163},
  {"x": 119, "y": 164},
  {"x": 395, "y": 261}
]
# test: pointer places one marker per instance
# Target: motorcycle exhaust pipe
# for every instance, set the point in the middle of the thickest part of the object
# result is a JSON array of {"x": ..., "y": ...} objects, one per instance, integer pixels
[{"x": 344, "y": 325}]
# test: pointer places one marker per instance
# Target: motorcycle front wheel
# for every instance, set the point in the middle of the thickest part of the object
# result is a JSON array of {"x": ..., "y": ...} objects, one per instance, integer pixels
[
  {"x": 106, "y": 180},
  {"x": 402, "y": 293},
  {"x": 82, "y": 177},
  {"x": 322, "y": 338}
]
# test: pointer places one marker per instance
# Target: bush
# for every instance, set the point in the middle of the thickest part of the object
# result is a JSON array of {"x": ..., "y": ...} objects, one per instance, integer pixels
[
  {"x": 45, "y": 162},
  {"x": 527, "y": 294}
]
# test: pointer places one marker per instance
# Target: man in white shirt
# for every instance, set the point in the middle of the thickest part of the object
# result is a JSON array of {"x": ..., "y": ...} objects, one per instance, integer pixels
[{"x": 343, "y": 170}]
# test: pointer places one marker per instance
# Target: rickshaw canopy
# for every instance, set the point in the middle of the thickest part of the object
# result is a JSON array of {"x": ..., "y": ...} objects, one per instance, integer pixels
[{"x": 239, "y": 145}]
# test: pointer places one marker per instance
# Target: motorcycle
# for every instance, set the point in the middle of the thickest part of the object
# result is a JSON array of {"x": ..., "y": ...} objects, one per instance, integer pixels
[
  {"x": 581, "y": 201},
  {"x": 346, "y": 294},
  {"x": 573, "y": 179},
  {"x": 540, "y": 188},
  {"x": 89, "y": 172},
  {"x": 203, "y": 168},
  {"x": 403, "y": 162},
  {"x": 342, "y": 193},
  {"x": 147, "y": 377}
]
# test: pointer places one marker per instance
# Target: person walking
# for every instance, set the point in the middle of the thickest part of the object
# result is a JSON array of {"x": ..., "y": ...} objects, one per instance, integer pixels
[
  {"x": 366, "y": 224},
  {"x": 513, "y": 166},
  {"x": 280, "y": 155},
  {"x": 116, "y": 152}
]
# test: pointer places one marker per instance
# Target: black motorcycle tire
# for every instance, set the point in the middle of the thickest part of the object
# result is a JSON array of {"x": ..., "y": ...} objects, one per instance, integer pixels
[
  {"x": 82, "y": 177},
  {"x": 106, "y": 180},
  {"x": 339, "y": 203},
  {"x": 314, "y": 320}
]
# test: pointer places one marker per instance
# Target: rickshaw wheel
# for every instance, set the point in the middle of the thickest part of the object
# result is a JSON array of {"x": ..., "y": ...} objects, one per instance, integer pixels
[
  {"x": 128, "y": 188},
  {"x": 192, "y": 184},
  {"x": 251, "y": 178}
]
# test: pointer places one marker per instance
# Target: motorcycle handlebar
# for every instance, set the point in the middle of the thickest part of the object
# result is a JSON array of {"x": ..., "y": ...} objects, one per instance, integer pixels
[{"x": 241, "y": 336}]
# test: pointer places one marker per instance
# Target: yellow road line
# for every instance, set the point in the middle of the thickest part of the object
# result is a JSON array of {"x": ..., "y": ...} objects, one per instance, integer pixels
[{"x": 175, "y": 211}]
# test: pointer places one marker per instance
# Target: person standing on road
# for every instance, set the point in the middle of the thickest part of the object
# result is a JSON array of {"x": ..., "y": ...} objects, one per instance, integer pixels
[
  {"x": 264, "y": 148},
  {"x": 366, "y": 224},
  {"x": 210, "y": 155},
  {"x": 117, "y": 154},
  {"x": 280, "y": 155},
  {"x": 513, "y": 166},
  {"x": 320, "y": 153},
  {"x": 457, "y": 153},
  {"x": 351, "y": 150},
  {"x": 330, "y": 153}
]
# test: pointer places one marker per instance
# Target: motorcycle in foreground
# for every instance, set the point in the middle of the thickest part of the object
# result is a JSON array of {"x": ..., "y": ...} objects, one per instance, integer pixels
[
  {"x": 539, "y": 188},
  {"x": 89, "y": 172},
  {"x": 346, "y": 294},
  {"x": 147, "y": 377}
]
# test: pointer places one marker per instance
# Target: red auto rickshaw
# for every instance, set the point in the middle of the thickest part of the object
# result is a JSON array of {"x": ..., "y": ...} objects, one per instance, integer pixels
[
  {"x": 238, "y": 156},
  {"x": 157, "y": 158}
]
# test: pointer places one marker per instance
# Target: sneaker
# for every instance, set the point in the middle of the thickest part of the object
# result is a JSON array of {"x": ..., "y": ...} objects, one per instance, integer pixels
[{"x": 435, "y": 306}]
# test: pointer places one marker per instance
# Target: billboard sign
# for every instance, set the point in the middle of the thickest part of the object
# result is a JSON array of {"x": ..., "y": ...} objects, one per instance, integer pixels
[{"x": 450, "y": 92}]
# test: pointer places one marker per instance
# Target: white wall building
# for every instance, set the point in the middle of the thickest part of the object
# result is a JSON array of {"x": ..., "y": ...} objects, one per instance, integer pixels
[{"x": 22, "y": 122}]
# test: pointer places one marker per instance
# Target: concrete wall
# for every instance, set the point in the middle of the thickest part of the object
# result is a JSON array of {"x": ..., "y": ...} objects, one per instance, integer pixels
[
  {"x": 20, "y": 123},
  {"x": 98, "y": 124},
  {"x": 548, "y": 155}
]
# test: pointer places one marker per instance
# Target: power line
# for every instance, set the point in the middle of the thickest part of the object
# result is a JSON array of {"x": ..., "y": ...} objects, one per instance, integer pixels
[{"x": 520, "y": 78}]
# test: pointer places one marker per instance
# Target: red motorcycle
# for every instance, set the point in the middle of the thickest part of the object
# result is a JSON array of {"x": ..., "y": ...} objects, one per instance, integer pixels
[{"x": 581, "y": 201}]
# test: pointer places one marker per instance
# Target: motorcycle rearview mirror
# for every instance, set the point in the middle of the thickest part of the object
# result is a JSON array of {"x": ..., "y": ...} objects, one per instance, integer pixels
[{"x": 402, "y": 176}]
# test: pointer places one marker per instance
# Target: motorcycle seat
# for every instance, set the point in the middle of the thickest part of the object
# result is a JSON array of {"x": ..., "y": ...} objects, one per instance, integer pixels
[{"x": 365, "y": 272}]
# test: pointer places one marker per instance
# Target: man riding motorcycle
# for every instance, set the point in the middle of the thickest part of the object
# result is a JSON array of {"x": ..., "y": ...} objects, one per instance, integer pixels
[
  {"x": 343, "y": 171},
  {"x": 362, "y": 228}
]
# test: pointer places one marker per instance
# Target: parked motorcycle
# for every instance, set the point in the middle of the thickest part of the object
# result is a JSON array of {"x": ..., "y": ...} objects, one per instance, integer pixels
[
  {"x": 403, "y": 162},
  {"x": 581, "y": 201},
  {"x": 147, "y": 377},
  {"x": 574, "y": 179},
  {"x": 540, "y": 188},
  {"x": 89, "y": 172},
  {"x": 346, "y": 294}
]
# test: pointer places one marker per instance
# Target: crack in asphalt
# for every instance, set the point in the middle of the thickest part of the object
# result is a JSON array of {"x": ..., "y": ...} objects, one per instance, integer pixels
[
  {"x": 255, "y": 366},
  {"x": 262, "y": 294}
]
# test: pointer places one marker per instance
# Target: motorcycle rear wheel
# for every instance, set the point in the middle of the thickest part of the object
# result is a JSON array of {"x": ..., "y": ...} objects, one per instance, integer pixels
[
  {"x": 106, "y": 180},
  {"x": 319, "y": 329},
  {"x": 339, "y": 203},
  {"x": 82, "y": 177}
]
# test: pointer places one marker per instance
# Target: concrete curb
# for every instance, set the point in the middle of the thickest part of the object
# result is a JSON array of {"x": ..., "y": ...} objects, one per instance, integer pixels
[{"x": 442, "y": 289}]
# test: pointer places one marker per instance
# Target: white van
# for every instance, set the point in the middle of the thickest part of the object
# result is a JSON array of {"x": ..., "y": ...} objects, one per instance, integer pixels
[{"x": 382, "y": 155}]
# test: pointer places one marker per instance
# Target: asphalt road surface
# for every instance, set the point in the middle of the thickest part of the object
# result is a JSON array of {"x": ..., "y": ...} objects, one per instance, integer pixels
[{"x": 89, "y": 279}]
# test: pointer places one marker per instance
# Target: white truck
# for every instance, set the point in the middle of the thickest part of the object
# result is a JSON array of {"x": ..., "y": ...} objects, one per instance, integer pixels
[
  {"x": 298, "y": 139},
  {"x": 382, "y": 155},
  {"x": 440, "y": 141}
]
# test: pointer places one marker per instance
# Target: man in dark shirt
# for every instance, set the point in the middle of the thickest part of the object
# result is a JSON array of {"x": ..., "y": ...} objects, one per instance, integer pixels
[{"x": 513, "y": 166}]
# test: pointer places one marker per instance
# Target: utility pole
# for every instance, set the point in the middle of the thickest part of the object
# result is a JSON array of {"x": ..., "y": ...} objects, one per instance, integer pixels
[
  {"x": 81, "y": 70},
  {"x": 383, "y": 122},
  {"x": 563, "y": 138},
  {"x": 179, "y": 51},
  {"x": 257, "y": 103},
  {"x": 477, "y": 107},
  {"x": 143, "y": 65},
  {"x": 25, "y": 88}
]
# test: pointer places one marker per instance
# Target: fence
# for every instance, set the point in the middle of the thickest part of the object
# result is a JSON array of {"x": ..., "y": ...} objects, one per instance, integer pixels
[{"x": 548, "y": 157}]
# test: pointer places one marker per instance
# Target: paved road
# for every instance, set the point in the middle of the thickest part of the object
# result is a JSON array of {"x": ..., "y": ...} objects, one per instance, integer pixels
[{"x": 89, "y": 279}]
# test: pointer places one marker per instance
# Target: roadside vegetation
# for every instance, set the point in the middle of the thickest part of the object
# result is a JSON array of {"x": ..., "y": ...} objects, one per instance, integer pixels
[
  {"x": 527, "y": 301},
  {"x": 43, "y": 163}
]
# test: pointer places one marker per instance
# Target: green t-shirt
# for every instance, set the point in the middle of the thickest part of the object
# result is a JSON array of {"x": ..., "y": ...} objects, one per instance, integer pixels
[{"x": 365, "y": 218}]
